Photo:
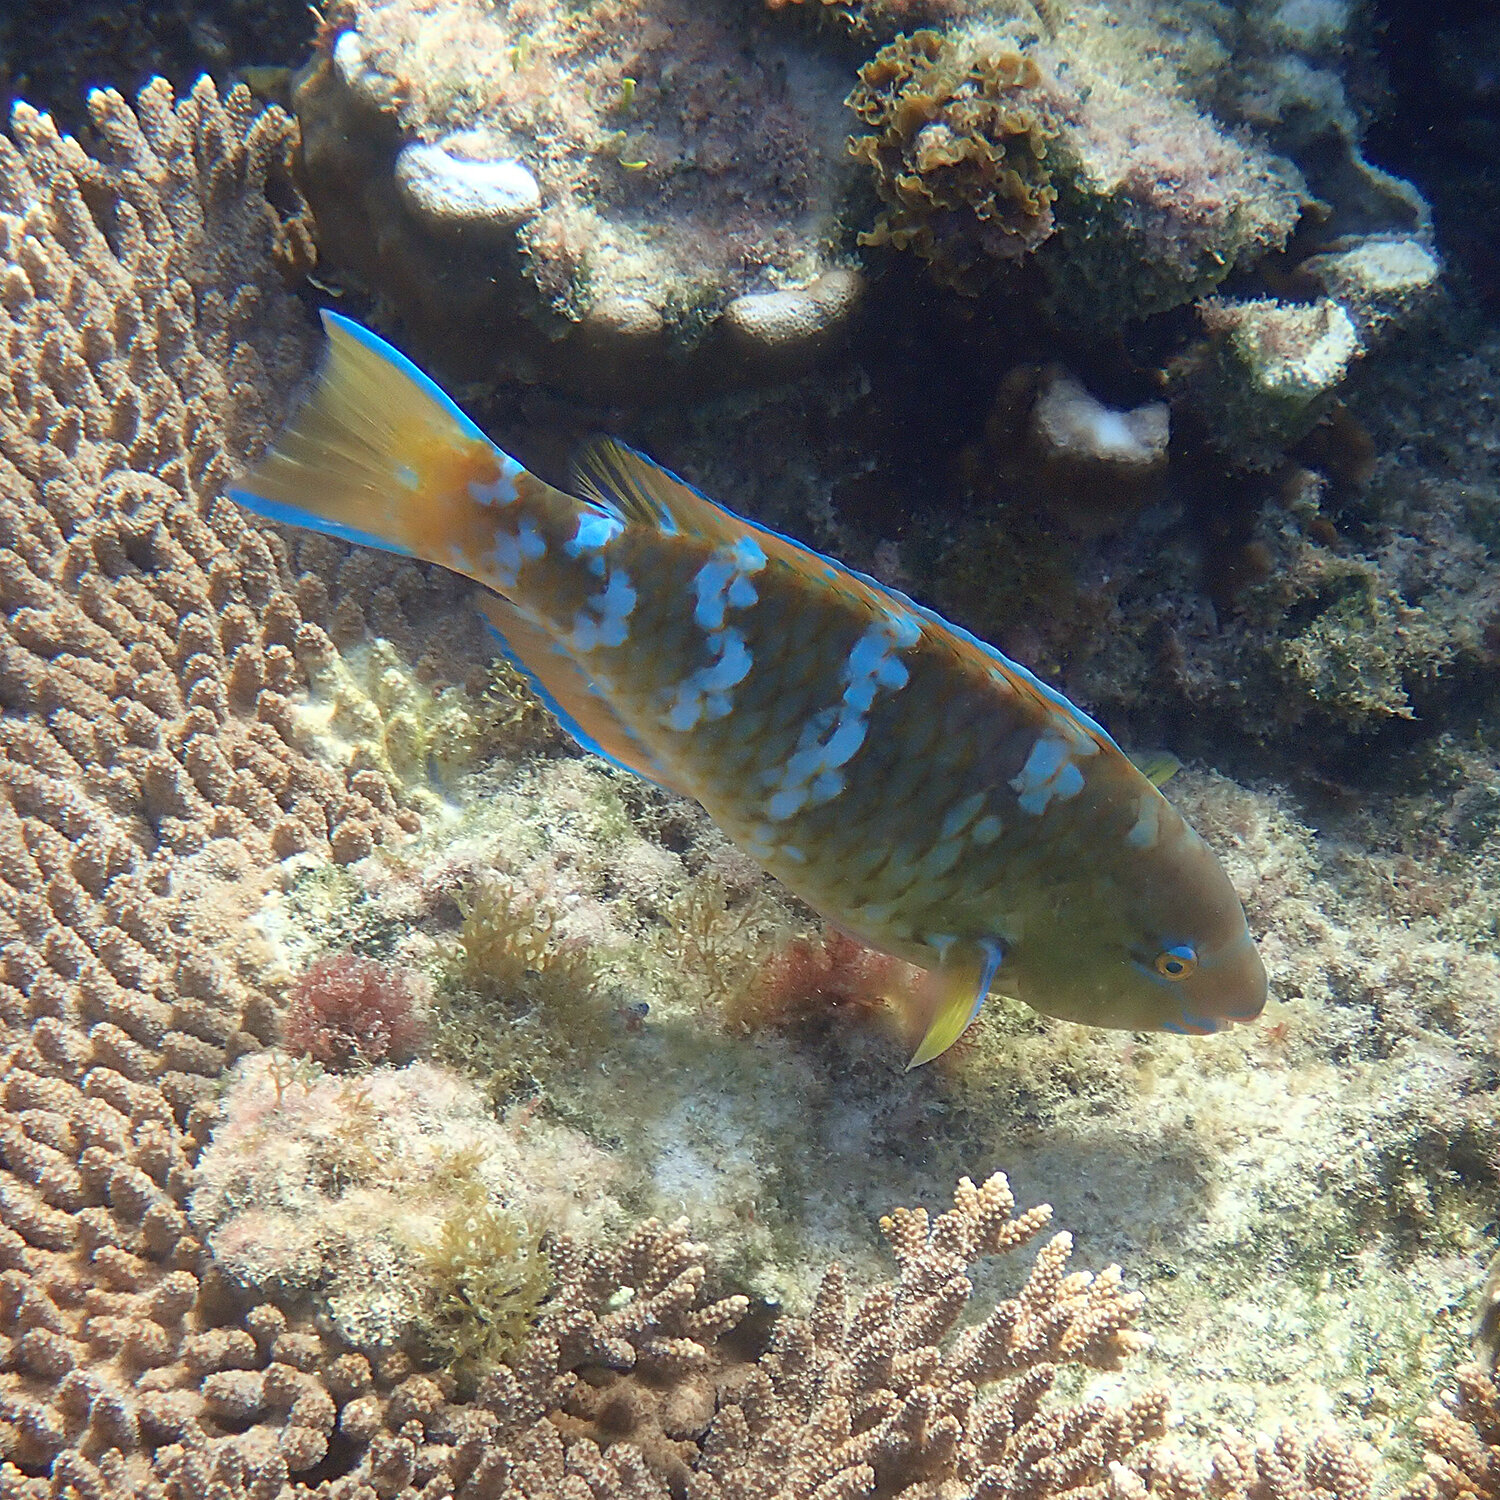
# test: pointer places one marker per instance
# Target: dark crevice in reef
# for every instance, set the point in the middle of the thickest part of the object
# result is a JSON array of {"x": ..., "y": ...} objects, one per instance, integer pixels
[
  {"x": 52, "y": 52},
  {"x": 1439, "y": 124}
]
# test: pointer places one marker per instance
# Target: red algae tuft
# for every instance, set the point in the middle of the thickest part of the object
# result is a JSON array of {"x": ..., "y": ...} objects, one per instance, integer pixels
[{"x": 347, "y": 1012}]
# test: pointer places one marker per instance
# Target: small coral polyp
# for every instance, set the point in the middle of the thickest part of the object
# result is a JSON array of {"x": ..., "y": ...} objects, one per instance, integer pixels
[{"x": 577, "y": 192}]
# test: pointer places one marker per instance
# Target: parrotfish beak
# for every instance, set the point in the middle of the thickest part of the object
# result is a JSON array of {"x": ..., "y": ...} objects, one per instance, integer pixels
[{"x": 1229, "y": 987}]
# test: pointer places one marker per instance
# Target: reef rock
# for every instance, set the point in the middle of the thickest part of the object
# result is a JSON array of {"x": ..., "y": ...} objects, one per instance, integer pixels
[{"x": 588, "y": 196}]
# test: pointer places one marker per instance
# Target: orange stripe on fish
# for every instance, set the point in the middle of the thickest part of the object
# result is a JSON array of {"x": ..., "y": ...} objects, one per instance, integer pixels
[{"x": 921, "y": 790}]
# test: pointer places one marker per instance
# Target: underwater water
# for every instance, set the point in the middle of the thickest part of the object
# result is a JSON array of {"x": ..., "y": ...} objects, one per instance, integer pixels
[{"x": 433, "y": 1067}]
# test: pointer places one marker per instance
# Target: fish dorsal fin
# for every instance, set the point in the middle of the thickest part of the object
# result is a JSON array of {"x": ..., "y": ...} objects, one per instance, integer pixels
[
  {"x": 1021, "y": 680},
  {"x": 612, "y": 474},
  {"x": 565, "y": 688}
]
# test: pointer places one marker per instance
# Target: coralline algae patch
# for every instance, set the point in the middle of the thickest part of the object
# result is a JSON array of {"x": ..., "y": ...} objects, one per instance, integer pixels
[
  {"x": 1299, "y": 1199},
  {"x": 337, "y": 1191}
]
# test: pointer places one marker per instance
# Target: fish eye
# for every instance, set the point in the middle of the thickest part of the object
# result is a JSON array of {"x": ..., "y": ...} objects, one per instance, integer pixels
[{"x": 1176, "y": 963}]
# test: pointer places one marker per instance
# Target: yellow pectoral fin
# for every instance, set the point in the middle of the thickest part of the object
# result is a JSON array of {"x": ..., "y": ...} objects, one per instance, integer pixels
[{"x": 958, "y": 989}]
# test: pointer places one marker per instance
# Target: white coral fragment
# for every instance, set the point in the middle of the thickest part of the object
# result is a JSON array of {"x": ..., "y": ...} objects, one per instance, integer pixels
[
  {"x": 450, "y": 190},
  {"x": 1072, "y": 423}
]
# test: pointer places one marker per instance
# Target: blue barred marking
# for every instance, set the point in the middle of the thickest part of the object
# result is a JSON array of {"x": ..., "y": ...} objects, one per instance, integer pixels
[
  {"x": 833, "y": 736},
  {"x": 611, "y": 608},
  {"x": 705, "y": 693},
  {"x": 511, "y": 553},
  {"x": 720, "y": 585},
  {"x": 711, "y": 587},
  {"x": 596, "y": 530},
  {"x": 1049, "y": 774},
  {"x": 502, "y": 489},
  {"x": 723, "y": 582}
]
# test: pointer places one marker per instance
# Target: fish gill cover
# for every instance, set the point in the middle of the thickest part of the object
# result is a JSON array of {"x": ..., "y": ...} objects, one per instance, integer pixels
[{"x": 1244, "y": 514}]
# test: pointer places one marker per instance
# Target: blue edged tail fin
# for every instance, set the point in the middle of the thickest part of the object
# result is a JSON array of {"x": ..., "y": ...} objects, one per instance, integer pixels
[{"x": 378, "y": 454}]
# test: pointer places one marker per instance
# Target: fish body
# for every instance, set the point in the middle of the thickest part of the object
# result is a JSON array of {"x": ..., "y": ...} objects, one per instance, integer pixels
[{"x": 908, "y": 781}]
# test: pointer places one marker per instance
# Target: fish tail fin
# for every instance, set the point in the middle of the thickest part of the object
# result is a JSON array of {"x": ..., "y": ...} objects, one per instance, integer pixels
[{"x": 378, "y": 454}]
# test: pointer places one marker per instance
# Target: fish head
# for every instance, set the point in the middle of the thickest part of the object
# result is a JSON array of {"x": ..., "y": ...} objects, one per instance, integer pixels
[{"x": 1157, "y": 943}]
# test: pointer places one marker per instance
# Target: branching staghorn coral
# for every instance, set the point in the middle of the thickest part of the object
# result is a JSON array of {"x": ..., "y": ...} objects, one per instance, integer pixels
[
  {"x": 881, "y": 1400},
  {"x": 1463, "y": 1443},
  {"x": 639, "y": 1382}
]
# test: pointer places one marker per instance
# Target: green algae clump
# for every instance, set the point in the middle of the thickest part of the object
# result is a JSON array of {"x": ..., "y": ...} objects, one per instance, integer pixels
[
  {"x": 486, "y": 1278},
  {"x": 517, "y": 1004},
  {"x": 959, "y": 156},
  {"x": 507, "y": 944}
]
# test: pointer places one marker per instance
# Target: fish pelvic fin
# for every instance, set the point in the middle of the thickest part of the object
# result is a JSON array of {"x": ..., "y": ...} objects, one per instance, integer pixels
[
  {"x": 958, "y": 988},
  {"x": 378, "y": 454}
]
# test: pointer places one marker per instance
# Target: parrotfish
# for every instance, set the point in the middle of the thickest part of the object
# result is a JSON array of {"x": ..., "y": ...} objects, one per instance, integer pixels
[{"x": 912, "y": 784}]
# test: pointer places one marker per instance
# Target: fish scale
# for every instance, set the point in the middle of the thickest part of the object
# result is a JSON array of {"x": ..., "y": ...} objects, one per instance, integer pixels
[{"x": 908, "y": 781}]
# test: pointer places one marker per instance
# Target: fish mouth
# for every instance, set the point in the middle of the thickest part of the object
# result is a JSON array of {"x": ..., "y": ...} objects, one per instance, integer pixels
[
  {"x": 1188, "y": 1024},
  {"x": 1242, "y": 1017},
  {"x": 1242, "y": 975}
]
